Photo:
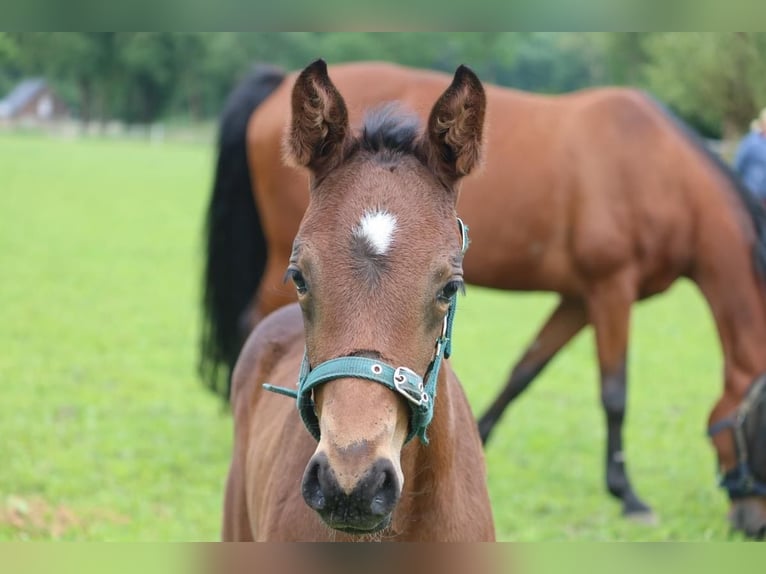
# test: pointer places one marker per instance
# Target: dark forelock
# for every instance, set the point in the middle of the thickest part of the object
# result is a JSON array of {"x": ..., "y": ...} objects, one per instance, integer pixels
[{"x": 390, "y": 128}]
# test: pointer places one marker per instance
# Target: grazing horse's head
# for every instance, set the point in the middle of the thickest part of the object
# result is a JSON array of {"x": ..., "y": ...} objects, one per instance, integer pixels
[
  {"x": 746, "y": 479},
  {"x": 375, "y": 263}
]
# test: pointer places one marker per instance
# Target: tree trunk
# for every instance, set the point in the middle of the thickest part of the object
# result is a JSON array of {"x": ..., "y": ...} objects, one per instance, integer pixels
[{"x": 86, "y": 101}]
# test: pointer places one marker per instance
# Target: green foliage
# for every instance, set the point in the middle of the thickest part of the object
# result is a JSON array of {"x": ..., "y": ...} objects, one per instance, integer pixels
[
  {"x": 714, "y": 80},
  {"x": 717, "y": 81},
  {"x": 9, "y": 51},
  {"x": 9, "y": 62},
  {"x": 153, "y": 61},
  {"x": 720, "y": 78},
  {"x": 146, "y": 75},
  {"x": 108, "y": 435},
  {"x": 80, "y": 64},
  {"x": 626, "y": 56},
  {"x": 553, "y": 63}
]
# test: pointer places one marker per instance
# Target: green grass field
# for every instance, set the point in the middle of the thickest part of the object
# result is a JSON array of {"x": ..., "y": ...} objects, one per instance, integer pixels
[{"x": 107, "y": 434}]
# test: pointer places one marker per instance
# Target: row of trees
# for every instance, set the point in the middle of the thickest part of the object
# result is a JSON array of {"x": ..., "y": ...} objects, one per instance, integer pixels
[{"x": 715, "y": 80}]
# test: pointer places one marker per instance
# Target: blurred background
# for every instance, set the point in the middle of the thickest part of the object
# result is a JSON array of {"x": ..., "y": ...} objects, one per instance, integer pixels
[
  {"x": 106, "y": 161},
  {"x": 716, "y": 81}
]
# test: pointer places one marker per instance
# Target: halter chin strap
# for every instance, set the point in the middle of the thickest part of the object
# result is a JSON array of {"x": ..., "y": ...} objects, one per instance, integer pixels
[
  {"x": 420, "y": 394},
  {"x": 740, "y": 481}
]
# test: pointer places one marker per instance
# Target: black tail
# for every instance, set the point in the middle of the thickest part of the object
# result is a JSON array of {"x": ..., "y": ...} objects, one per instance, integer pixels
[
  {"x": 754, "y": 208},
  {"x": 235, "y": 245}
]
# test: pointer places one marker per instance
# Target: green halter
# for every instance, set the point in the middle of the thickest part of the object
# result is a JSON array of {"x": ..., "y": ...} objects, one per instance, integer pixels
[{"x": 420, "y": 395}]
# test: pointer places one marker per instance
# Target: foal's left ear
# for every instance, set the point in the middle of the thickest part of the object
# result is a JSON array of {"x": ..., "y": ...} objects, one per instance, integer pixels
[
  {"x": 319, "y": 125},
  {"x": 455, "y": 127}
]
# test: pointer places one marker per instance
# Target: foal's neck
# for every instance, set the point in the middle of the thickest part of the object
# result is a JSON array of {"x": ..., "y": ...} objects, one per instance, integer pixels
[{"x": 426, "y": 467}]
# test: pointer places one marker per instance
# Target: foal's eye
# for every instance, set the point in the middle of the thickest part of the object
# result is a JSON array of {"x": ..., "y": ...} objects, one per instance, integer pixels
[
  {"x": 449, "y": 290},
  {"x": 296, "y": 277}
]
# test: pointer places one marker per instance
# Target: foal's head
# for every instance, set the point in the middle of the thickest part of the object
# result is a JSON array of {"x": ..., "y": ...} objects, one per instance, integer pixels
[{"x": 375, "y": 264}]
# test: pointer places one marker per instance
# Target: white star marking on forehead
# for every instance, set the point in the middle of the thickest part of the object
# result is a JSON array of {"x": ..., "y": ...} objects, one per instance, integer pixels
[{"x": 377, "y": 229}]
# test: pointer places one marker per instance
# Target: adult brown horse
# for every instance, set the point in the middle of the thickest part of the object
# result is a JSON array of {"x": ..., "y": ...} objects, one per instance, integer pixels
[
  {"x": 600, "y": 195},
  {"x": 376, "y": 265}
]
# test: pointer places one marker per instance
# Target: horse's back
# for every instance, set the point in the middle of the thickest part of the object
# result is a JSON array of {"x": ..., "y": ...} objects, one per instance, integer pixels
[
  {"x": 628, "y": 180},
  {"x": 646, "y": 194},
  {"x": 575, "y": 187},
  {"x": 593, "y": 182}
]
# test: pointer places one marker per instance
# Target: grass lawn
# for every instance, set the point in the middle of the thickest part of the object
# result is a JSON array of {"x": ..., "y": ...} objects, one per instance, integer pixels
[{"x": 106, "y": 433}]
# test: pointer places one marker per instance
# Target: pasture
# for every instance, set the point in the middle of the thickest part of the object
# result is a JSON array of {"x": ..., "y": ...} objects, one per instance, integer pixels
[{"x": 107, "y": 434}]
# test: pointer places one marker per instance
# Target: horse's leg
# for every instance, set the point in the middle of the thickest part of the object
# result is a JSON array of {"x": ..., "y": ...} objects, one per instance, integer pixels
[
  {"x": 609, "y": 303},
  {"x": 565, "y": 322}
]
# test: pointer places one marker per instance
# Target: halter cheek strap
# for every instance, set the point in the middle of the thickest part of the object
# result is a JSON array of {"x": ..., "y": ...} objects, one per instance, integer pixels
[{"x": 419, "y": 394}]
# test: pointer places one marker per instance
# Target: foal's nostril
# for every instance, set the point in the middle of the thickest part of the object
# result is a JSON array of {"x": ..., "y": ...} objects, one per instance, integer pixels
[
  {"x": 385, "y": 488},
  {"x": 315, "y": 475}
]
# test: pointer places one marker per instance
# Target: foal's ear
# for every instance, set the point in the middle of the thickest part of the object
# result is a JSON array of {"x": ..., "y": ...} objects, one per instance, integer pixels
[
  {"x": 319, "y": 125},
  {"x": 455, "y": 126}
]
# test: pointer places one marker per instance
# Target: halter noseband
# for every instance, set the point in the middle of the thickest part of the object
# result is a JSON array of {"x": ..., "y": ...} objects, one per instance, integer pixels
[
  {"x": 740, "y": 481},
  {"x": 419, "y": 394}
]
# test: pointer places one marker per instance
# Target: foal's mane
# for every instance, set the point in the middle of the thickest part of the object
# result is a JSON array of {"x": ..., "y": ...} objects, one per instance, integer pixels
[{"x": 753, "y": 207}]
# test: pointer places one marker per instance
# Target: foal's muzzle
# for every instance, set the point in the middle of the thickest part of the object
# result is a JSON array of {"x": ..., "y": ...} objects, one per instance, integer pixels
[{"x": 365, "y": 509}]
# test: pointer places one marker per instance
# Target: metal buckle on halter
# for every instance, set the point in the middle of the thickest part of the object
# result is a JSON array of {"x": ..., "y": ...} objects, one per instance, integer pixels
[{"x": 410, "y": 385}]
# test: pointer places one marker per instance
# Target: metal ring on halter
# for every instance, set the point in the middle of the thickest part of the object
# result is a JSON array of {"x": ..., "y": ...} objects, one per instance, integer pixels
[
  {"x": 443, "y": 336},
  {"x": 463, "y": 235}
]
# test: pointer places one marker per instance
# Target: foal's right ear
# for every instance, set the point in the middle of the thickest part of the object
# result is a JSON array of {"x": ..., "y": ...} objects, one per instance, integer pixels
[{"x": 319, "y": 126}]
